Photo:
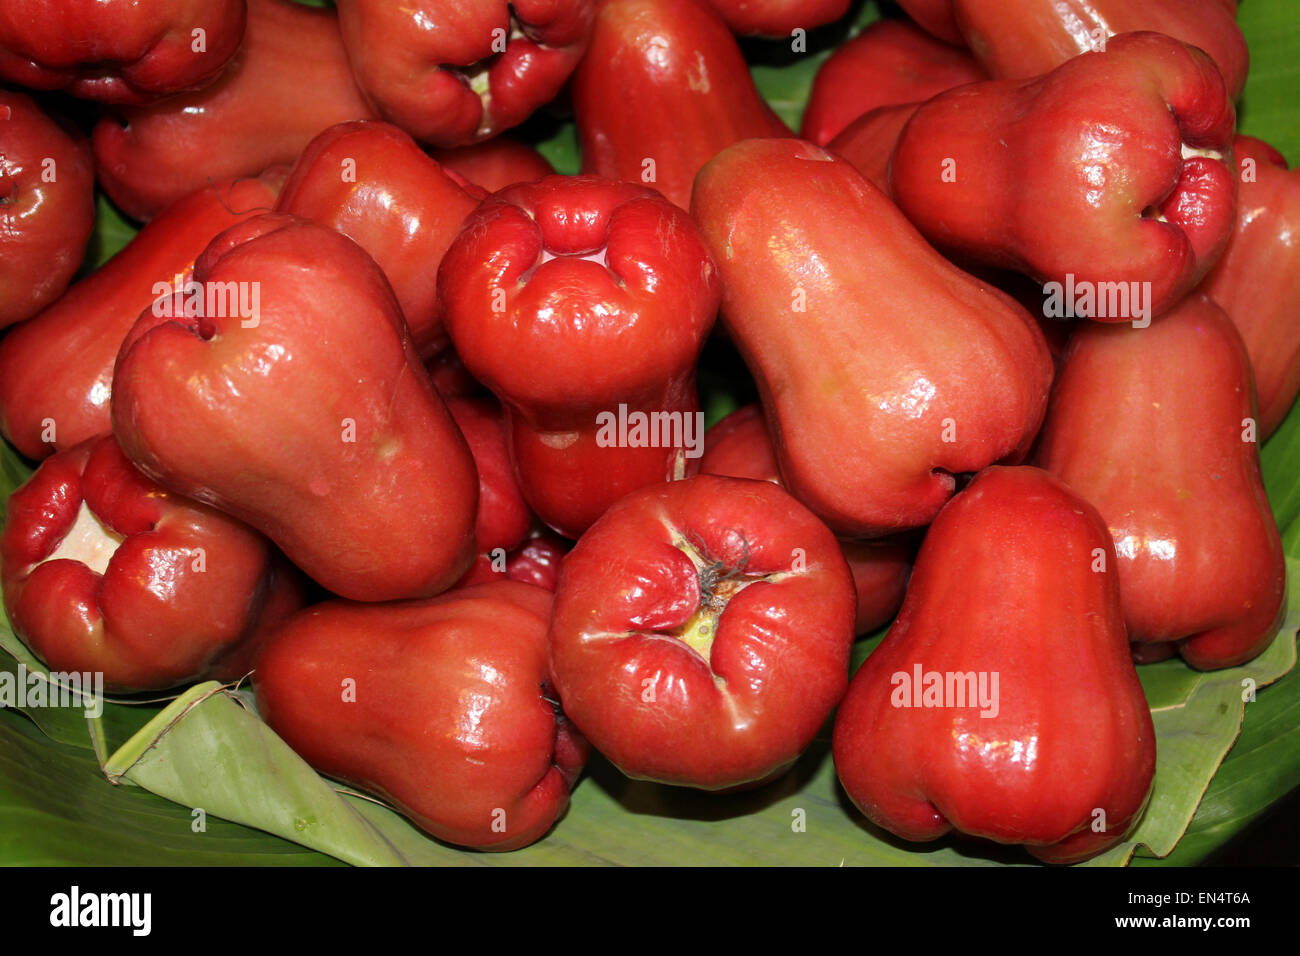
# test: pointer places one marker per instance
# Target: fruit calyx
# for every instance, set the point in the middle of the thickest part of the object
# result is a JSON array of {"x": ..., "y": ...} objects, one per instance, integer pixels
[{"x": 718, "y": 582}]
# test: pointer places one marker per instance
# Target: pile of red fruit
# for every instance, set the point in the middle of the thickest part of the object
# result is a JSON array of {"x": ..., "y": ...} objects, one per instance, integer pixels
[{"x": 1018, "y": 295}]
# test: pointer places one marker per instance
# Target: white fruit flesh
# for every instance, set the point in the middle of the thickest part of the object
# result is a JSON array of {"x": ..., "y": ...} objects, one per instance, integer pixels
[{"x": 88, "y": 541}]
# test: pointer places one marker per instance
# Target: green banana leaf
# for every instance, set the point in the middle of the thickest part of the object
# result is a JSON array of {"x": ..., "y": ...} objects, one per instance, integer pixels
[{"x": 199, "y": 779}]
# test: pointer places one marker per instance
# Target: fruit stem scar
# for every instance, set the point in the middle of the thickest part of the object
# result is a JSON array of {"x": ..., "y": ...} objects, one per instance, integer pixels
[{"x": 718, "y": 584}]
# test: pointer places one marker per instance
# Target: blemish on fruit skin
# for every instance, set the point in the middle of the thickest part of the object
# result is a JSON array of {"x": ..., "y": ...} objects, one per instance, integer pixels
[
  {"x": 813, "y": 153},
  {"x": 698, "y": 79},
  {"x": 558, "y": 440},
  {"x": 319, "y": 487}
]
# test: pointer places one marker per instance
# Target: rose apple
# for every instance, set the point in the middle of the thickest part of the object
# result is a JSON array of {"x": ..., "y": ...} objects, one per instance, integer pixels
[
  {"x": 289, "y": 82},
  {"x": 936, "y": 16},
  {"x": 1003, "y": 702},
  {"x": 47, "y": 207},
  {"x": 444, "y": 709},
  {"x": 583, "y": 304},
  {"x": 308, "y": 416},
  {"x": 452, "y": 73},
  {"x": 56, "y": 370},
  {"x": 1257, "y": 282},
  {"x": 451, "y": 378},
  {"x": 118, "y": 51},
  {"x": 1022, "y": 38},
  {"x": 701, "y": 632},
  {"x": 677, "y": 61},
  {"x": 287, "y": 592},
  {"x": 106, "y": 571},
  {"x": 884, "y": 370},
  {"x": 1156, "y": 427},
  {"x": 888, "y": 63},
  {"x": 371, "y": 182},
  {"x": 1112, "y": 172}
]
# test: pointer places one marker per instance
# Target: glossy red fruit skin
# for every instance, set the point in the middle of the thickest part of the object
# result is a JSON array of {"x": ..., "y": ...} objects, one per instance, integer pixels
[
  {"x": 1056, "y": 329},
  {"x": 313, "y": 421},
  {"x": 537, "y": 561},
  {"x": 286, "y": 594},
  {"x": 1257, "y": 282},
  {"x": 58, "y": 367},
  {"x": 47, "y": 207},
  {"x": 184, "y": 585},
  {"x": 452, "y": 720},
  {"x": 936, "y": 17},
  {"x": 569, "y": 298},
  {"x": 1004, "y": 584},
  {"x": 495, "y": 163},
  {"x": 421, "y": 62},
  {"x": 1023, "y": 38},
  {"x": 868, "y": 142},
  {"x": 759, "y": 586},
  {"x": 1052, "y": 176},
  {"x": 888, "y": 63},
  {"x": 1149, "y": 426},
  {"x": 739, "y": 447},
  {"x": 503, "y": 517},
  {"x": 678, "y": 62},
  {"x": 957, "y": 374},
  {"x": 371, "y": 182},
  {"x": 118, "y": 51},
  {"x": 289, "y": 81},
  {"x": 778, "y": 18}
]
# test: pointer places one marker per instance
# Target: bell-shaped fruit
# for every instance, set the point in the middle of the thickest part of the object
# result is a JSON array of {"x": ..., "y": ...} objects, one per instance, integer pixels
[
  {"x": 451, "y": 73},
  {"x": 104, "y": 571},
  {"x": 302, "y": 408},
  {"x": 290, "y": 81},
  {"x": 888, "y": 63},
  {"x": 1257, "y": 282},
  {"x": 1021, "y": 38},
  {"x": 884, "y": 370},
  {"x": 56, "y": 370},
  {"x": 701, "y": 632},
  {"x": 583, "y": 304},
  {"x": 1156, "y": 428},
  {"x": 681, "y": 67},
  {"x": 1111, "y": 174},
  {"x": 371, "y": 182},
  {"x": 1003, "y": 702},
  {"x": 441, "y": 707},
  {"x": 118, "y": 51},
  {"x": 47, "y": 207}
]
